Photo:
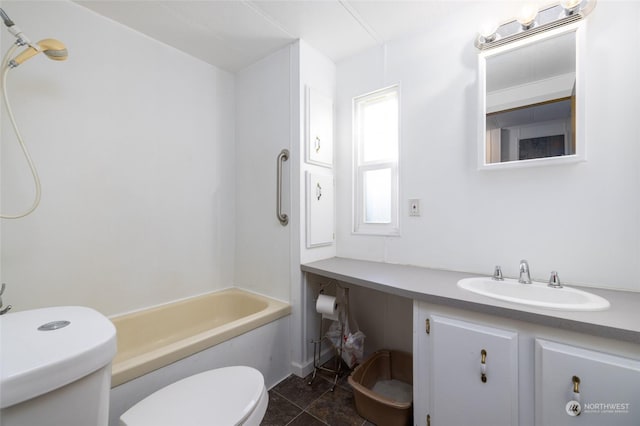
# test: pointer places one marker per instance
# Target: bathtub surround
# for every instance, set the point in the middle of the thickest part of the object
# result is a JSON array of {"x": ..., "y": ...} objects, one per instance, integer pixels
[{"x": 134, "y": 144}]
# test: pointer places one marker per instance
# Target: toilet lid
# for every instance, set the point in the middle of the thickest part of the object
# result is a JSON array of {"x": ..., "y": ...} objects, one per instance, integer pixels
[{"x": 224, "y": 396}]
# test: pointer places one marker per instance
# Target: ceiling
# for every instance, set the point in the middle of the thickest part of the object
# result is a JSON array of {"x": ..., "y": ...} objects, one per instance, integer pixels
[{"x": 232, "y": 34}]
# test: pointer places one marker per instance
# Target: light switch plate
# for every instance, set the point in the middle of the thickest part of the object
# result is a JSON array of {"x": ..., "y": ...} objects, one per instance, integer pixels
[{"x": 414, "y": 207}]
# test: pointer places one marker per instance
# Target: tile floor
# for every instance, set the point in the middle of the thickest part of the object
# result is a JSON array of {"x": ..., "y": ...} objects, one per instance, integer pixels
[{"x": 293, "y": 402}]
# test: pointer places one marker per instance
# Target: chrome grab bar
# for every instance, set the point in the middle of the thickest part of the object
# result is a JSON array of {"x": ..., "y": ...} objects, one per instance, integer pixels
[{"x": 282, "y": 217}]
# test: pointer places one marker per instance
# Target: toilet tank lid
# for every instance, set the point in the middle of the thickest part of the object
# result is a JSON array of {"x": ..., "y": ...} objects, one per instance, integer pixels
[{"x": 74, "y": 342}]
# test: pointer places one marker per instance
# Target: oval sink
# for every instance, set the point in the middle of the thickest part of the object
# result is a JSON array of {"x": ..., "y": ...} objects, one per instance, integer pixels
[{"x": 535, "y": 294}]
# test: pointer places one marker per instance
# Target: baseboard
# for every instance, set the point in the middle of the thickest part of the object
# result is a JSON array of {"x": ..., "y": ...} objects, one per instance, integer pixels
[{"x": 306, "y": 368}]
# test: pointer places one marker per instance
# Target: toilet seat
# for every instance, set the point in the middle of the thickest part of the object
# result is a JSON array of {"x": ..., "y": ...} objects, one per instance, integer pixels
[{"x": 224, "y": 396}]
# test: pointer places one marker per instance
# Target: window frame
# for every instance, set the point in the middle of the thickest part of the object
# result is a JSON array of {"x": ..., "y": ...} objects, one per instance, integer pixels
[{"x": 360, "y": 167}]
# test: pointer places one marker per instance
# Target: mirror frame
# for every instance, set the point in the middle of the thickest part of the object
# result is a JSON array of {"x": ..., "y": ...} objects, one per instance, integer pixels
[{"x": 579, "y": 29}]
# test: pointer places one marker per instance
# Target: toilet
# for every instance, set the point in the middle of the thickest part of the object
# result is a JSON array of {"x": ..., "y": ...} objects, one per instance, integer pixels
[
  {"x": 56, "y": 367},
  {"x": 224, "y": 396}
]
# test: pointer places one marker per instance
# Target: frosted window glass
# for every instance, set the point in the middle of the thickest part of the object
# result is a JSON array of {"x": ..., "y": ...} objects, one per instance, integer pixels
[
  {"x": 380, "y": 129},
  {"x": 376, "y": 152},
  {"x": 377, "y": 196}
]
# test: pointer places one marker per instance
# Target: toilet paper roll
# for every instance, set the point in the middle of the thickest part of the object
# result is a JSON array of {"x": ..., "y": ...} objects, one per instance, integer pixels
[{"x": 327, "y": 306}]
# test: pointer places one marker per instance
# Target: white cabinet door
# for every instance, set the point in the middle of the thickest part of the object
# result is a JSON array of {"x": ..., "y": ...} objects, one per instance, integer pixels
[
  {"x": 458, "y": 395},
  {"x": 320, "y": 223},
  {"x": 608, "y": 387},
  {"x": 319, "y": 137}
]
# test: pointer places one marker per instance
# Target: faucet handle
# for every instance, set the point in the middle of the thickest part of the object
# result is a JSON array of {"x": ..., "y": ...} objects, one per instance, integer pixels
[
  {"x": 497, "y": 274},
  {"x": 5, "y": 310},
  {"x": 554, "y": 280}
]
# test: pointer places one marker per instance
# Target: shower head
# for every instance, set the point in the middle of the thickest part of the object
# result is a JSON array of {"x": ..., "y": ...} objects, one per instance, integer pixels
[{"x": 53, "y": 48}]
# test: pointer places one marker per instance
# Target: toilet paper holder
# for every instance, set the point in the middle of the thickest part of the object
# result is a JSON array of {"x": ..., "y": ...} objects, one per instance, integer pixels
[{"x": 342, "y": 311}]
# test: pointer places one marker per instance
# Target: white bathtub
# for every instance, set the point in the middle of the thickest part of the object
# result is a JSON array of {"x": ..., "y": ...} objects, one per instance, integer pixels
[{"x": 161, "y": 345}]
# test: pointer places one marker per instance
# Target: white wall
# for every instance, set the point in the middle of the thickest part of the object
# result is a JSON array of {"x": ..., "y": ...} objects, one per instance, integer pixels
[
  {"x": 134, "y": 145},
  {"x": 319, "y": 73},
  {"x": 270, "y": 117},
  {"x": 311, "y": 69},
  {"x": 263, "y": 129},
  {"x": 582, "y": 220}
]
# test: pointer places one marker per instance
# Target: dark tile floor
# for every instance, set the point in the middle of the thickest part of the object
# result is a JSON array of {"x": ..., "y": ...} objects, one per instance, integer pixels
[{"x": 293, "y": 402}]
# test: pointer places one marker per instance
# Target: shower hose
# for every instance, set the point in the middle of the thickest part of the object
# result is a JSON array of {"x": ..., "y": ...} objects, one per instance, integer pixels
[{"x": 5, "y": 70}]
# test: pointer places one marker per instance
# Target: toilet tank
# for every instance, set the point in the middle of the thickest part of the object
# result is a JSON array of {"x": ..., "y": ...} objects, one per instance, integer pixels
[{"x": 55, "y": 367}]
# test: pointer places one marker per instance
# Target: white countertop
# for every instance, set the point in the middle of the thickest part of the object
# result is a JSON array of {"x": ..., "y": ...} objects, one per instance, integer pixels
[{"x": 621, "y": 321}]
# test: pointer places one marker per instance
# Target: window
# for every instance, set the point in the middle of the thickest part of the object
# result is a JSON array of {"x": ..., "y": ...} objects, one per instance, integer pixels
[{"x": 376, "y": 141}]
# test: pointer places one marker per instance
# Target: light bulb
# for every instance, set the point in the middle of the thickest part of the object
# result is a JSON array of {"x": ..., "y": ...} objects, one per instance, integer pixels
[
  {"x": 570, "y": 6},
  {"x": 527, "y": 16},
  {"x": 488, "y": 31}
]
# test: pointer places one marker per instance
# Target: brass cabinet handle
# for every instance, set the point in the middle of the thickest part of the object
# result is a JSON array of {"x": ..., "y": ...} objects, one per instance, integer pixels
[
  {"x": 573, "y": 407},
  {"x": 576, "y": 384},
  {"x": 483, "y": 366}
]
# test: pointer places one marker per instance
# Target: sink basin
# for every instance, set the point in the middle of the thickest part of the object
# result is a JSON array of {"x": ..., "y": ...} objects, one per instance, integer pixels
[{"x": 535, "y": 294}]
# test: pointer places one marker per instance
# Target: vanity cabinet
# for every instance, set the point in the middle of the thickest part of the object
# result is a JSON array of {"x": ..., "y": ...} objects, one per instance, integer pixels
[
  {"x": 530, "y": 373},
  {"x": 598, "y": 388},
  {"x": 474, "y": 373}
]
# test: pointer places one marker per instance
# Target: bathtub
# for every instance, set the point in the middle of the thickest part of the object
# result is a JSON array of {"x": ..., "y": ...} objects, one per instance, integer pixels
[
  {"x": 153, "y": 338},
  {"x": 161, "y": 345}
]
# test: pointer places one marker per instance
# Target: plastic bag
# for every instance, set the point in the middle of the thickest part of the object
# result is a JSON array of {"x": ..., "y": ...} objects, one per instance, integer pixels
[
  {"x": 352, "y": 342},
  {"x": 353, "y": 350}
]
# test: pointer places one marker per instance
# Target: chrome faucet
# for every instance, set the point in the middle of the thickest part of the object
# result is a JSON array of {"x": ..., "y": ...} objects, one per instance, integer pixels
[
  {"x": 554, "y": 280},
  {"x": 525, "y": 277},
  {"x": 497, "y": 274}
]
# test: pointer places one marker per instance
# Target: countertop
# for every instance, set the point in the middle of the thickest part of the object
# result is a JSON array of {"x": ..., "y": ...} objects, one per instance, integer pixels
[{"x": 621, "y": 321}]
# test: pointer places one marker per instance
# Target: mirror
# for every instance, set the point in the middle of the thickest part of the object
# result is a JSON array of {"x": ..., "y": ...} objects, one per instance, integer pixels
[{"x": 530, "y": 102}]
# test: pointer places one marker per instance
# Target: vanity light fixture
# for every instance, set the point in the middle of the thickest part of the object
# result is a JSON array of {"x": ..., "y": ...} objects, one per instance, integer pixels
[{"x": 532, "y": 21}]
